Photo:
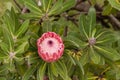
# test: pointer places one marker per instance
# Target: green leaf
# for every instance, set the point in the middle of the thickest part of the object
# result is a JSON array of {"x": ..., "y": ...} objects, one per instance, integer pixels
[
  {"x": 4, "y": 47},
  {"x": 62, "y": 70},
  {"x": 41, "y": 71},
  {"x": 29, "y": 72},
  {"x": 107, "y": 10},
  {"x": 68, "y": 52},
  {"x": 8, "y": 38},
  {"x": 50, "y": 74},
  {"x": 3, "y": 56},
  {"x": 102, "y": 61},
  {"x": 68, "y": 4},
  {"x": 80, "y": 66},
  {"x": 108, "y": 53},
  {"x": 31, "y": 4},
  {"x": 101, "y": 33},
  {"x": 82, "y": 26},
  {"x": 56, "y": 8},
  {"x": 92, "y": 20},
  {"x": 113, "y": 73},
  {"x": 76, "y": 41},
  {"x": 115, "y": 4},
  {"x": 22, "y": 28},
  {"x": 46, "y": 26},
  {"x": 59, "y": 26},
  {"x": 95, "y": 57},
  {"x": 106, "y": 38},
  {"x": 3, "y": 68},
  {"x": 53, "y": 69},
  {"x": 94, "y": 32},
  {"x": 15, "y": 20},
  {"x": 21, "y": 48},
  {"x": 30, "y": 16},
  {"x": 46, "y": 5},
  {"x": 84, "y": 59},
  {"x": 87, "y": 23},
  {"x": 20, "y": 69},
  {"x": 8, "y": 20},
  {"x": 10, "y": 66},
  {"x": 72, "y": 27}
]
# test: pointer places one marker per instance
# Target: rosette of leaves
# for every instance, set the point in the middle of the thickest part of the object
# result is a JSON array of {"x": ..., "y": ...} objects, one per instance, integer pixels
[
  {"x": 92, "y": 40},
  {"x": 19, "y": 60},
  {"x": 13, "y": 43},
  {"x": 46, "y": 8}
]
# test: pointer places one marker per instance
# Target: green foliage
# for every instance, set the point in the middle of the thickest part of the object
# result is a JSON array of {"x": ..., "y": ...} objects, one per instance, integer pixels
[
  {"x": 115, "y": 4},
  {"x": 46, "y": 9},
  {"x": 92, "y": 51}
]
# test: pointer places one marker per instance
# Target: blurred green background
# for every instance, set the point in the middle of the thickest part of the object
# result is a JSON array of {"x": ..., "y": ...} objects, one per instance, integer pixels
[{"x": 5, "y": 4}]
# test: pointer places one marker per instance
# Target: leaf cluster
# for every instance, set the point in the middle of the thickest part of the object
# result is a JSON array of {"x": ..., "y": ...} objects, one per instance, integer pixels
[{"x": 92, "y": 52}]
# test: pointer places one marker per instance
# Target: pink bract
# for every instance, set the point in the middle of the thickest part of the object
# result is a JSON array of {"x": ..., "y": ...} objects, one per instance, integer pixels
[{"x": 50, "y": 46}]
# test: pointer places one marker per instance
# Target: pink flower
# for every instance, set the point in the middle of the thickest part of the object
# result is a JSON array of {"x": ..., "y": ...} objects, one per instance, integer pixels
[{"x": 50, "y": 47}]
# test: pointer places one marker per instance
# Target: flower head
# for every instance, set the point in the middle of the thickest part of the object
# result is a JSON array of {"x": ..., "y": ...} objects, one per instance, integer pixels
[{"x": 50, "y": 46}]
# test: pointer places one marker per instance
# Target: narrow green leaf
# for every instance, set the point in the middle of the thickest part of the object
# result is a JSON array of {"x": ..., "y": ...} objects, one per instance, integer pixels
[
  {"x": 92, "y": 20},
  {"x": 20, "y": 68},
  {"x": 8, "y": 20},
  {"x": 15, "y": 20},
  {"x": 68, "y": 4},
  {"x": 53, "y": 69},
  {"x": 50, "y": 74},
  {"x": 46, "y": 26},
  {"x": 56, "y": 8},
  {"x": 102, "y": 61},
  {"x": 22, "y": 28},
  {"x": 2, "y": 68},
  {"x": 3, "y": 56},
  {"x": 93, "y": 33},
  {"x": 76, "y": 41},
  {"x": 8, "y": 38},
  {"x": 29, "y": 72},
  {"x": 84, "y": 59},
  {"x": 82, "y": 26},
  {"x": 46, "y": 5},
  {"x": 106, "y": 38},
  {"x": 10, "y": 66},
  {"x": 21, "y": 48},
  {"x": 100, "y": 34},
  {"x": 4, "y": 47},
  {"x": 59, "y": 26},
  {"x": 30, "y": 16},
  {"x": 62, "y": 70},
  {"x": 68, "y": 52},
  {"x": 108, "y": 53},
  {"x": 41, "y": 71},
  {"x": 80, "y": 66},
  {"x": 95, "y": 57},
  {"x": 32, "y": 6}
]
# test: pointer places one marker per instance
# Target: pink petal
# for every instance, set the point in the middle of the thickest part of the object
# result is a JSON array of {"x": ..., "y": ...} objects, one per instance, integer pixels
[{"x": 50, "y": 46}]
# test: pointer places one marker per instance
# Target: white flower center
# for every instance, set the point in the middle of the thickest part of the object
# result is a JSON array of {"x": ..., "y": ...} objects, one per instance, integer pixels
[{"x": 50, "y": 45}]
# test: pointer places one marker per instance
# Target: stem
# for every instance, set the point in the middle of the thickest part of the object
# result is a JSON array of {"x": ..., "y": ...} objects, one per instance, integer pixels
[
  {"x": 65, "y": 31},
  {"x": 105, "y": 70}
]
